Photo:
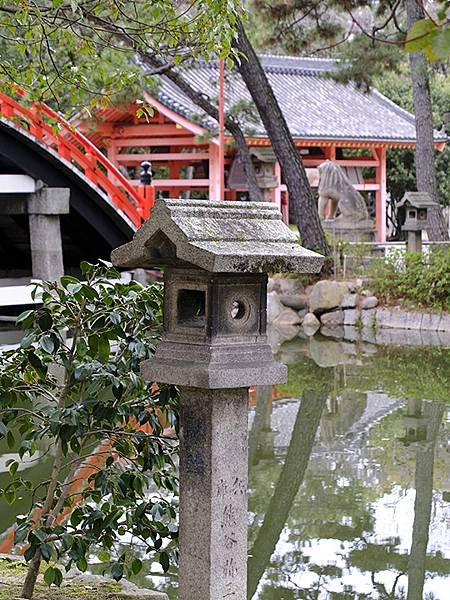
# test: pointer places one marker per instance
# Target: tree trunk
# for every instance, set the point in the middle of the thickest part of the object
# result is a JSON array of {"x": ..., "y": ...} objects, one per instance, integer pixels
[
  {"x": 425, "y": 167},
  {"x": 32, "y": 573},
  {"x": 300, "y": 195},
  {"x": 203, "y": 102}
]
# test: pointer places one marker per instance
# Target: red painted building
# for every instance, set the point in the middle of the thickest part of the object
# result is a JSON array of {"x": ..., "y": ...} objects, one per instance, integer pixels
[{"x": 327, "y": 120}]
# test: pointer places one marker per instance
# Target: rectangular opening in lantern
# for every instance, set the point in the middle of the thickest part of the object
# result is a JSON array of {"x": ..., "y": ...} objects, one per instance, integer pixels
[{"x": 191, "y": 307}]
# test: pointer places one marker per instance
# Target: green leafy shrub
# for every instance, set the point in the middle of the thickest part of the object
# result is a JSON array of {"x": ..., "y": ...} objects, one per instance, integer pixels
[
  {"x": 422, "y": 279},
  {"x": 73, "y": 388}
]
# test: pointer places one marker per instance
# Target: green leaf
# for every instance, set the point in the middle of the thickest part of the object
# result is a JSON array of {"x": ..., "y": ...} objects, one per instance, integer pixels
[
  {"x": 117, "y": 571},
  {"x": 9, "y": 496},
  {"x": 82, "y": 564},
  {"x": 13, "y": 468},
  {"x": 37, "y": 363},
  {"x": 46, "y": 551},
  {"x": 28, "y": 340},
  {"x": 25, "y": 319},
  {"x": 20, "y": 533},
  {"x": 136, "y": 566},
  {"x": 104, "y": 556},
  {"x": 3, "y": 429},
  {"x": 45, "y": 321},
  {"x": 67, "y": 541},
  {"x": 10, "y": 440},
  {"x": 103, "y": 348},
  {"x": 164, "y": 561},
  {"x": 47, "y": 344},
  {"x": 49, "y": 576},
  {"x": 440, "y": 43},
  {"x": 66, "y": 279},
  {"x": 417, "y": 37},
  {"x": 58, "y": 577}
]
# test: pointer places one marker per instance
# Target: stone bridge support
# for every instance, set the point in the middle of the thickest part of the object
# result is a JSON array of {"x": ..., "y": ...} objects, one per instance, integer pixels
[{"x": 43, "y": 208}]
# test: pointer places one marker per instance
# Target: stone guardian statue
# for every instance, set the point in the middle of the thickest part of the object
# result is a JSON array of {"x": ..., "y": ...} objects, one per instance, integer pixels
[{"x": 342, "y": 209}]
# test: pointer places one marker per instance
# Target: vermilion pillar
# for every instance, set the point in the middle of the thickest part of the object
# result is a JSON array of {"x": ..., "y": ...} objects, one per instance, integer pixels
[{"x": 380, "y": 194}]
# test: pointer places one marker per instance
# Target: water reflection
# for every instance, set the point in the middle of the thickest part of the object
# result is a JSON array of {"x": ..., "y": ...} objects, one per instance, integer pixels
[
  {"x": 349, "y": 476},
  {"x": 358, "y": 521},
  {"x": 287, "y": 486}
]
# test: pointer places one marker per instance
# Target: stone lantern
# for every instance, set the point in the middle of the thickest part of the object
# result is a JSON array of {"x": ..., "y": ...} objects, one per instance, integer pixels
[
  {"x": 416, "y": 206},
  {"x": 216, "y": 256},
  {"x": 416, "y": 423}
]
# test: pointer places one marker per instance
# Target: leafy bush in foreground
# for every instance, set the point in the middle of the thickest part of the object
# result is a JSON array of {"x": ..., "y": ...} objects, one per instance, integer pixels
[{"x": 73, "y": 388}]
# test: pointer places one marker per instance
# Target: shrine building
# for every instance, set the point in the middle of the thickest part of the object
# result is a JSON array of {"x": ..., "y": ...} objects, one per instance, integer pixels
[{"x": 328, "y": 120}]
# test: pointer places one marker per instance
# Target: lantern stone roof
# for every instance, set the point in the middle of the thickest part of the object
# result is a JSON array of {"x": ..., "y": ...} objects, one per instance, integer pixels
[
  {"x": 417, "y": 200},
  {"x": 315, "y": 106},
  {"x": 219, "y": 237}
]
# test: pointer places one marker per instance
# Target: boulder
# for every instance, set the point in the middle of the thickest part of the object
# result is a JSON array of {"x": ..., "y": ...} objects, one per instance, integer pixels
[
  {"x": 310, "y": 324},
  {"x": 278, "y": 335},
  {"x": 295, "y": 301},
  {"x": 274, "y": 306},
  {"x": 286, "y": 285},
  {"x": 351, "y": 316},
  {"x": 444, "y": 323},
  {"x": 326, "y": 295},
  {"x": 287, "y": 316},
  {"x": 430, "y": 321},
  {"x": 333, "y": 318},
  {"x": 351, "y": 333},
  {"x": 369, "y": 302},
  {"x": 302, "y": 313},
  {"x": 368, "y": 318},
  {"x": 336, "y": 332},
  {"x": 349, "y": 301},
  {"x": 328, "y": 353}
]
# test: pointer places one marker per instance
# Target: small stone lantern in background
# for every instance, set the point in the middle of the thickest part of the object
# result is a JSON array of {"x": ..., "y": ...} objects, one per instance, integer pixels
[
  {"x": 416, "y": 206},
  {"x": 216, "y": 257},
  {"x": 415, "y": 422}
]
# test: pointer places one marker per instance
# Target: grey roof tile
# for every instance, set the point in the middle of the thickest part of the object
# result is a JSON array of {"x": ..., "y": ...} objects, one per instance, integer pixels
[{"x": 315, "y": 106}]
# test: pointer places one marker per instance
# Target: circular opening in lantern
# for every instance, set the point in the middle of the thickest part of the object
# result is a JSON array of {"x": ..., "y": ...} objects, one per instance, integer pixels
[{"x": 237, "y": 309}]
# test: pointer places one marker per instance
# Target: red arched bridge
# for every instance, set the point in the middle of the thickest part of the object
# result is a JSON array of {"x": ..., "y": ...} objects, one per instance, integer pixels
[{"x": 37, "y": 145}]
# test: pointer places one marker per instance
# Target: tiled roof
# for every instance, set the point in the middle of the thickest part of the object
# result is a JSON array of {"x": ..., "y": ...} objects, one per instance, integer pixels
[{"x": 315, "y": 106}]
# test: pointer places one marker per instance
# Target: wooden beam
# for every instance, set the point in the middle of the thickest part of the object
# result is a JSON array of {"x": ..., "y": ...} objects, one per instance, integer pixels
[
  {"x": 131, "y": 159},
  {"x": 175, "y": 117},
  {"x": 179, "y": 183},
  {"x": 141, "y": 130},
  {"x": 160, "y": 141},
  {"x": 345, "y": 162}
]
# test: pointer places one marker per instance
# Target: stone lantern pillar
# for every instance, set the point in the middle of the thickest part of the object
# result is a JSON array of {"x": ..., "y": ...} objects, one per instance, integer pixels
[{"x": 216, "y": 257}]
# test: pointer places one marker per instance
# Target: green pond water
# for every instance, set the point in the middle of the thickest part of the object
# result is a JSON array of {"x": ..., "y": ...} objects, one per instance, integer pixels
[{"x": 349, "y": 478}]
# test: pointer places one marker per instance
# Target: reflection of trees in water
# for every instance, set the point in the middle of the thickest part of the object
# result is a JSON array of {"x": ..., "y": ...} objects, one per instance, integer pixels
[
  {"x": 342, "y": 411},
  {"x": 335, "y": 502},
  {"x": 260, "y": 439},
  {"x": 286, "y": 489},
  {"x": 433, "y": 412}
]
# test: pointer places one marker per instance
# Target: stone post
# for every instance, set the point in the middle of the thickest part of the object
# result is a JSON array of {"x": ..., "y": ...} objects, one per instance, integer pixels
[
  {"x": 414, "y": 241},
  {"x": 214, "y": 346},
  {"x": 44, "y": 209},
  {"x": 213, "y": 503}
]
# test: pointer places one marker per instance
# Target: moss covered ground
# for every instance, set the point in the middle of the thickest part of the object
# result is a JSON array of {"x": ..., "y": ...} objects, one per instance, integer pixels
[{"x": 12, "y": 573}]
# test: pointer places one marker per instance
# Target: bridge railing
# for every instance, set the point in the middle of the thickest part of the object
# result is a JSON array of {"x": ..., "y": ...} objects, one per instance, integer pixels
[{"x": 51, "y": 129}]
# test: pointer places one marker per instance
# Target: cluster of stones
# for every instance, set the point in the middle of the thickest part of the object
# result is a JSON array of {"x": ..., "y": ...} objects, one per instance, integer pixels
[{"x": 329, "y": 305}]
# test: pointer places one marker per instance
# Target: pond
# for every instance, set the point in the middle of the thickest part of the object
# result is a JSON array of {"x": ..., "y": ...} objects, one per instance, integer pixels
[{"x": 349, "y": 481}]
